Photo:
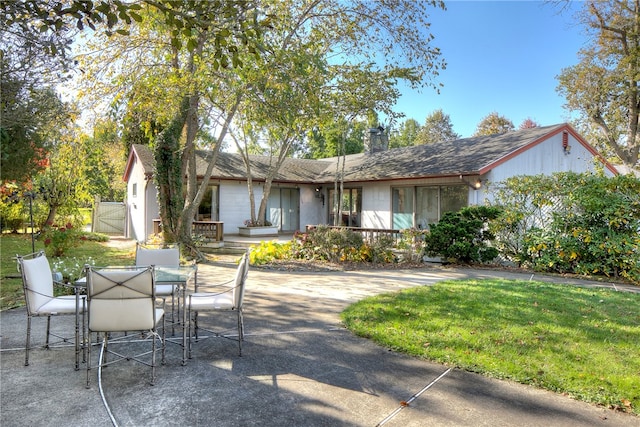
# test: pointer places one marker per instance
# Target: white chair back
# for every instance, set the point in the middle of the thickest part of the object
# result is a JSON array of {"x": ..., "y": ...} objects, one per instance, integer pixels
[
  {"x": 240, "y": 280},
  {"x": 37, "y": 281},
  {"x": 165, "y": 257},
  {"x": 121, "y": 300}
]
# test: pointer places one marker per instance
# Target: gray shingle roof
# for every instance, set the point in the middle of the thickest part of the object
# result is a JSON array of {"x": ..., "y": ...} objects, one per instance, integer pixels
[
  {"x": 231, "y": 166},
  {"x": 465, "y": 156}
]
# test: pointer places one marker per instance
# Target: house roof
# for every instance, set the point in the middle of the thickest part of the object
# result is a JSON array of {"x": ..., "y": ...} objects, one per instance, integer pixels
[
  {"x": 144, "y": 155},
  {"x": 467, "y": 156},
  {"x": 231, "y": 166}
]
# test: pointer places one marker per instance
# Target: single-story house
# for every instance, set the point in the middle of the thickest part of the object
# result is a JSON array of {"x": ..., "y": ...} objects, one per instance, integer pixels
[{"x": 383, "y": 188}]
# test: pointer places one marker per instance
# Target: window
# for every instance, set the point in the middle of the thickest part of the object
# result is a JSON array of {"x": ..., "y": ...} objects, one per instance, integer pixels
[
  {"x": 351, "y": 207},
  {"x": 134, "y": 190},
  {"x": 208, "y": 209},
  {"x": 430, "y": 204}
]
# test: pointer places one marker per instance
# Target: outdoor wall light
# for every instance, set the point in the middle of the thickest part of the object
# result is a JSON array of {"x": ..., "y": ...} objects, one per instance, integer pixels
[{"x": 475, "y": 184}]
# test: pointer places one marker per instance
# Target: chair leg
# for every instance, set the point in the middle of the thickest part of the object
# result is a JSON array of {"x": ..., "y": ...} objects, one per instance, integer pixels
[
  {"x": 153, "y": 359},
  {"x": 89, "y": 359},
  {"x": 240, "y": 332},
  {"x": 46, "y": 343},
  {"x": 28, "y": 343}
]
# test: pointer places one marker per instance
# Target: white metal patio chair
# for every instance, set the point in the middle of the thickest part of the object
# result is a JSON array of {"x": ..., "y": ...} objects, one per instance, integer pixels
[
  {"x": 123, "y": 300},
  {"x": 38, "y": 285},
  {"x": 147, "y": 255},
  {"x": 226, "y": 296}
]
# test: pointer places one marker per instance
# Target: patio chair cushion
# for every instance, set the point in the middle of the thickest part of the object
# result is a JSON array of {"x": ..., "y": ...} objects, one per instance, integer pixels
[
  {"x": 60, "y": 305},
  {"x": 37, "y": 273},
  {"x": 165, "y": 290},
  {"x": 208, "y": 301},
  {"x": 165, "y": 257}
]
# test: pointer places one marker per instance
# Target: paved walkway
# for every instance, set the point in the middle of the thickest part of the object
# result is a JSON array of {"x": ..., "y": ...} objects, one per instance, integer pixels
[{"x": 299, "y": 368}]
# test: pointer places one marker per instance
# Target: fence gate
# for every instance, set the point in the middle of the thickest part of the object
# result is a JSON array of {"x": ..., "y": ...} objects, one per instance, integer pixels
[{"x": 108, "y": 218}]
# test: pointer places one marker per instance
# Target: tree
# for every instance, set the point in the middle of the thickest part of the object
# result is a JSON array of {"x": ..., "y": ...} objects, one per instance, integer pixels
[
  {"x": 326, "y": 140},
  {"x": 528, "y": 123},
  {"x": 605, "y": 85},
  {"x": 437, "y": 127},
  {"x": 406, "y": 134},
  {"x": 29, "y": 106},
  {"x": 494, "y": 124},
  {"x": 165, "y": 79},
  {"x": 297, "y": 84}
]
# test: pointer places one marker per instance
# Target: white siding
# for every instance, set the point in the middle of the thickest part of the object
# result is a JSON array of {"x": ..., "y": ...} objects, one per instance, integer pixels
[
  {"x": 312, "y": 211},
  {"x": 234, "y": 204},
  {"x": 546, "y": 158},
  {"x": 376, "y": 205},
  {"x": 137, "y": 204}
]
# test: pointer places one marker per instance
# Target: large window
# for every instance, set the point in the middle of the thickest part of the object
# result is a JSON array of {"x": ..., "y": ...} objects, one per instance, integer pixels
[
  {"x": 430, "y": 204},
  {"x": 208, "y": 209},
  {"x": 351, "y": 206}
]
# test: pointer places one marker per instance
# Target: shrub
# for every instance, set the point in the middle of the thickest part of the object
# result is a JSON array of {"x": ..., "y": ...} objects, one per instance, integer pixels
[
  {"x": 573, "y": 223},
  {"x": 328, "y": 244},
  {"x": 12, "y": 216},
  {"x": 463, "y": 236},
  {"x": 412, "y": 244},
  {"x": 71, "y": 268},
  {"x": 57, "y": 240},
  {"x": 266, "y": 252}
]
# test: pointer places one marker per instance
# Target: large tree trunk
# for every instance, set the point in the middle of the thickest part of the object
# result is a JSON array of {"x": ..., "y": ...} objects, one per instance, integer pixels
[{"x": 169, "y": 174}]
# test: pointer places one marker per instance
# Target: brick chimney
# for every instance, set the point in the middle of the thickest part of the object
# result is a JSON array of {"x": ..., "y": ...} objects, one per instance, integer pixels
[{"x": 376, "y": 140}]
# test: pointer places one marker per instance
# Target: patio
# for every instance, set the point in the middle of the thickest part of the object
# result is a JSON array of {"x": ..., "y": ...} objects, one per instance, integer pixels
[{"x": 299, "y": 367}]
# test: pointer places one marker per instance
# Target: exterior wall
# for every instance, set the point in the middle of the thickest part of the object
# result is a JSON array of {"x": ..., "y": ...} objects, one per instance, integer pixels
[
  {"x": 153, "y": 207},
  {"x": 137, "y": 204},
  {"x": 376, "y": 205},
  {"x": 546, "y": 158},
  {"x": 234, "y": 204},
  {"x": 312, "y": 211}
]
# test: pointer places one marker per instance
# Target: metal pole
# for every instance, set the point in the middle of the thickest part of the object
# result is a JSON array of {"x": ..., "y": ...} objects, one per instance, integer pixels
[{"x": 33, "y": 241}]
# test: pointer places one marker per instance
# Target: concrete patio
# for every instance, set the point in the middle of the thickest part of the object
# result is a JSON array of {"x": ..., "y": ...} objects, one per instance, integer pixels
[{"x": 299, "y": 367}]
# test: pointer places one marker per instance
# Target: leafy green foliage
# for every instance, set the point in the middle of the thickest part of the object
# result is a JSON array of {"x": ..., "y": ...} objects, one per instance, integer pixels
[
  {"x": 437, "y": 127},
  {"x": 572, "y": 340},
  {"x": 572, "y": 223},
  {"x": 463, "y": 236},
  {"x": 341, "y": 245},
  {"x": 328, "y": 244},
  {"x": 494, "y": 124},
  {"x": 59, "y": 239},
  {"x": 268, "y": 251}
]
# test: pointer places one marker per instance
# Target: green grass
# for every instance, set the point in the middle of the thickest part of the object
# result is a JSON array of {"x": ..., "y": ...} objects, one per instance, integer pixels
[
  {"x": 578, "y": 341},
  {"x": 11, "y": 294}
]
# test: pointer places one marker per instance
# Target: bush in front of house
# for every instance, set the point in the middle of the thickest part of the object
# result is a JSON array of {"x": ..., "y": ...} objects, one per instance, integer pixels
[
  {"x": 327, "y": 244},
  {"x": 572, "y": 223},
  {"x": 463, "y": 236}
]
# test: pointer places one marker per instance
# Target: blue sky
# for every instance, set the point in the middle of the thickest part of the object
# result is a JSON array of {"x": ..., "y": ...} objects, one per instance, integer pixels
[{"x": 501, "y": 56}]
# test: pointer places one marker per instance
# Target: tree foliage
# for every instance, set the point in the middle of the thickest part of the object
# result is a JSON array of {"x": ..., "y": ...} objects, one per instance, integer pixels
[
  {"x": 604, "y": 86},
  {"x": 528, "y": 123},
  {"x": 494, "y": 124},
  {"x": 437, "y": 128},
  {"x": 406, "y": 134}
]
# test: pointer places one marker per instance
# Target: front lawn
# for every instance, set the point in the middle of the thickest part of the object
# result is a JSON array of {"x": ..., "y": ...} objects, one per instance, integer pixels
[
  {"x": 11, "y": 294},
  {"x": 579, "y": 341}
]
